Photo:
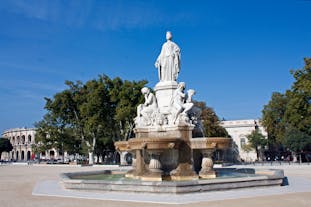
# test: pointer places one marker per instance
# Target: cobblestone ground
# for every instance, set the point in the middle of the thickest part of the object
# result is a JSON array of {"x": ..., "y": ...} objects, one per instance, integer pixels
[{"x": 17, "y": 183}]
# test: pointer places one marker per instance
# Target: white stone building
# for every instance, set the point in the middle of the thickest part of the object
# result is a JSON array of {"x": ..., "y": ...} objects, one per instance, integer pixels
[
  {"x": 238, "y": 130},
  {"x": 22, "y": 140}
]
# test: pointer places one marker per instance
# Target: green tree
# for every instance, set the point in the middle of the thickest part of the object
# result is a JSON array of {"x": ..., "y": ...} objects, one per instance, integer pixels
[
  {"x": 210, "y": 121},
  {"x": 103, "y": 147},
  {"x": 48, "y": 133},
  {"x": 273, "y": 117},
  {"x": 84, "y": 109},
  {"x": 126, "y": 96},
  {"x": 247, "y": 147},
  {"x": 97, "y": 111},
  {"x": 101, "y": 109},
  {"x": 298, "y": 109},
  {"x": 258, "y": 141},
  {"x": 290, "y": 110},
  {"x": 296, "y": 140},
  {"x": 52, "y": 133},
  {"x": 64, "y": 109},
  {"x": 5, "y": 146}
]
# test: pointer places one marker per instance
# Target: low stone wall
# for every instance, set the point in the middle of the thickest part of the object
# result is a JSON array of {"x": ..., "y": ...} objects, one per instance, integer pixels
[{"x": 253, "y": 178}]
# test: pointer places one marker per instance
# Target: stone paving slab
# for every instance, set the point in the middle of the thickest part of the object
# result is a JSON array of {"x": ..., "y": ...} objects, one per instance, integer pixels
[{"x": 53, "y": 188}]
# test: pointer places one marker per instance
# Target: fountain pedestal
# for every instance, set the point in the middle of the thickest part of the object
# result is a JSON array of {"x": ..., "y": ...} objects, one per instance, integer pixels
[
  {"x": 169, "y": 153},
  {"x": 164, "y": 92},
  {"x": 138, "y": 165},
  {"x": 155, "y": 171},
  {"x": 171, "y": 158},
  {"x": 207, "y": 164}
]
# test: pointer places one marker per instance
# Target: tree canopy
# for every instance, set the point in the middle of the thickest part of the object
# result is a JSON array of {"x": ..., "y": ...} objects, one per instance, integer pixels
[
  {"x": 5, "y": 145},
  {"x": 84, "y": 114},
  {"x": 257, "y": 141},
  {"x": 210, "y": 121},
  {"x": 287, "y": 116},
  {"x": 296, "y": 140}
]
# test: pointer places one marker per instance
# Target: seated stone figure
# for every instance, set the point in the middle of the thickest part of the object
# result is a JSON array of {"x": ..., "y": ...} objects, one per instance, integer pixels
[
  {"x": 147, "y": 110},
  {"x": 179, "y": 104}
]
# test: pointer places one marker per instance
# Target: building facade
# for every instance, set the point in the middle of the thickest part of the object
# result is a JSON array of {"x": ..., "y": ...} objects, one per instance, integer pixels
[
  {"x": 238, "y": 130},
  {"x": 23, "y": 140}
]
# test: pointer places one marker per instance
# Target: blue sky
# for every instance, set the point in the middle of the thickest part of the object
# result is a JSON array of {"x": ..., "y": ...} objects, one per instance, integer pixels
[{"x": 234, "y": 53}]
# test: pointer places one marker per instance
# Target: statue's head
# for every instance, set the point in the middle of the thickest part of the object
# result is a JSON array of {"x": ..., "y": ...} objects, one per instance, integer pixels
[
  {"x": 169, "y": 35},
  {"x": 145, "y": 90},
  {"x": 191, "y": 92},
  {"x": 182, "y": 85}
]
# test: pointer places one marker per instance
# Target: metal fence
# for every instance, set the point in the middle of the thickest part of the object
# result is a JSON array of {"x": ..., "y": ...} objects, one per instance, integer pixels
[{"x": 274, "y": 163}]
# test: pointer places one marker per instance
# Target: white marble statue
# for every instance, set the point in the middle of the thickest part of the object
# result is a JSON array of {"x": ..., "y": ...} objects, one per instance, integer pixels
[
  {"x": 180, "y": 104},
  {"x": 190, "y": 93},
  {"x": 195, "y": 115},
  {"x": 194, "y": 112},
  {"x": 168, "y": 62},
  {"x": 147, "y": 110}
]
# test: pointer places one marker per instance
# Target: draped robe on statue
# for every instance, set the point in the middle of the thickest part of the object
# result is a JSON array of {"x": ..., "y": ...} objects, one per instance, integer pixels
[{"x": 169, "y": 61}]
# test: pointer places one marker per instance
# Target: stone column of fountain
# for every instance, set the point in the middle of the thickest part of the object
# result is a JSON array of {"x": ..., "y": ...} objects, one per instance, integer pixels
[
  {"x": 155, "y": 167},
  {"x": 138, "y": 162}
]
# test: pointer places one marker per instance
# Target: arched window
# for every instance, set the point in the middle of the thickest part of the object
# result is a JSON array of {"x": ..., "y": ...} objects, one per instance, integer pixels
[
  {"x": 28, "y": 155},
  {"x": 23, "y": 155},
  {"x": 52, "y": 154},
  {"x": 29, "y": 138},
  {"x": 23, "y": 139}
]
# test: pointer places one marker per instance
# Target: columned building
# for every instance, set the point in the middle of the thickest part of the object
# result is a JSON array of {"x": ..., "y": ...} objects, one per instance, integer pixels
[
  {"x": 23, "y": 140},
  {"x": 238, "y": 130}
]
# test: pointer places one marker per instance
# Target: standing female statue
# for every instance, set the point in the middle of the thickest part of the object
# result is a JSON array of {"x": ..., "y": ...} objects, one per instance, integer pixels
[{"x": 168, "y": 62}]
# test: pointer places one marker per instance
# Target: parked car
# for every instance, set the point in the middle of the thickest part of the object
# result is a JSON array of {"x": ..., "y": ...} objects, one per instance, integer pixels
[
  {"x": 61, "y": 161},
  {"x": 51, "y": 161}
]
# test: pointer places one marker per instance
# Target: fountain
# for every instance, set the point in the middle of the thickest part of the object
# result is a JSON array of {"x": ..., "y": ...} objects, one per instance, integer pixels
[
  {"x": 168, "y": 135},
  {"x": 165, "y": 126}
]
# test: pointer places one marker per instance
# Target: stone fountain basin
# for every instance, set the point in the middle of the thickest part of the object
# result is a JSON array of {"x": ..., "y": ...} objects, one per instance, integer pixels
[
  {"x": 172, "y": 154},
  {"x": 148, "y": 143},
  {"x": 170, "y": 143},
  {"x": 251, "y": 178},
  {"x": 211, "y": 143}
]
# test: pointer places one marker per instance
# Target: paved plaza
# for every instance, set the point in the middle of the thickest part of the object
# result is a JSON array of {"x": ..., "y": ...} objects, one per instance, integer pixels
[{"x": 21, "y": 186}]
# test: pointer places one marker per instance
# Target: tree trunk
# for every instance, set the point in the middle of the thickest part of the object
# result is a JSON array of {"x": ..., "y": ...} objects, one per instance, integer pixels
[
  {"x": 294, "y": 157},
  {"x": 91, "y": 158},
  {"x": 91, "y": 150},
  {"x": 97, "y": 160},
  {"x": 260, "y": 153},
  {"x": 257, "y": 153}
]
